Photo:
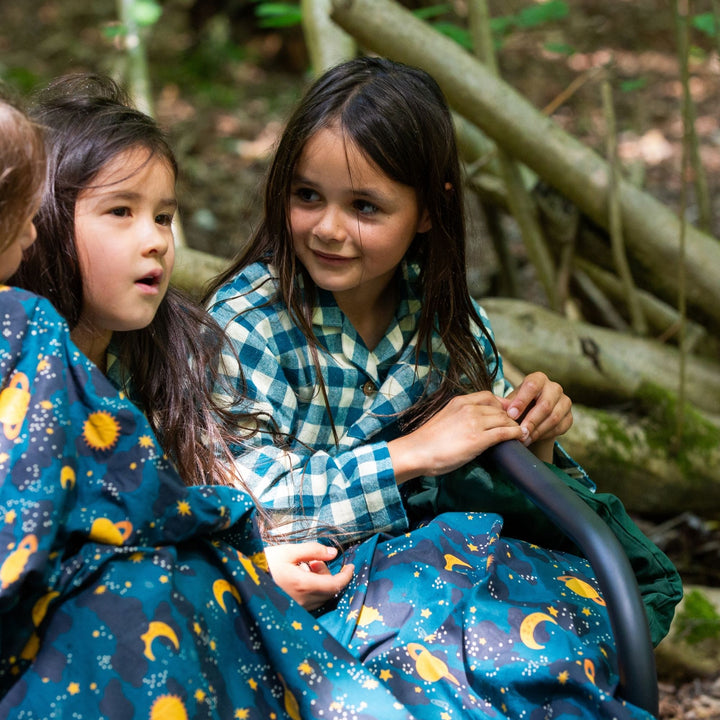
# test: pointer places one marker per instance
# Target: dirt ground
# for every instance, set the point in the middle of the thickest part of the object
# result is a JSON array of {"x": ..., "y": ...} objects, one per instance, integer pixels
[{"x": 222, "y": 90}]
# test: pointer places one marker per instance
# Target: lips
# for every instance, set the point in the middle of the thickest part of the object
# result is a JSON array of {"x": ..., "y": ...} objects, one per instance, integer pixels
[
  {"x": 326, "y": 257},
  {"x": 151, "y": 279}
]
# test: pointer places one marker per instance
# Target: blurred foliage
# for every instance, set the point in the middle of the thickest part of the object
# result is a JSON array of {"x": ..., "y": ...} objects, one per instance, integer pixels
[
  {"x": 698, "y": 619},
  {"x": 705, "y": 23},
  {"x": 279, "y": 14}
]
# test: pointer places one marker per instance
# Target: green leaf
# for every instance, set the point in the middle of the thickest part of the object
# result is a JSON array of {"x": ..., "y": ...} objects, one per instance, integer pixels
[
  {"x": 111, "y": 31},
  {"x": 277, "y": 15},
  {"x": 146, "y": 12},
  {"x": 633, "y": 85},
  {"x": 431, "y": 11},
  {"x": 705, "y": 22},
  {"x": 502, "y": 25},
  {"x": 456, "y": 33},
  {"x": 544, "y": 12}
]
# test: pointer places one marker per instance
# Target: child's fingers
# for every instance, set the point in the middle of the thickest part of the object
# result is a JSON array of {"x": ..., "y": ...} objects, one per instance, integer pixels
[
  {"x": 526, "y": 394},
  {"x": 305, "y": 552},
  {"x": 548, "y": 423}
]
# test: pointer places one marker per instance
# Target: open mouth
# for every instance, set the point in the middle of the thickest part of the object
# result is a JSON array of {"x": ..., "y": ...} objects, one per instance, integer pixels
[{"x": 150, "y": 280}]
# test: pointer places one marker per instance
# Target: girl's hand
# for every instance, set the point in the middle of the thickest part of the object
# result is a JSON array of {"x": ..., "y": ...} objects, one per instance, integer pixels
[
  {"x": 543, "y": 410},
  {"x": 300, "y": 569},
  {"x": 464, "y": 428}
]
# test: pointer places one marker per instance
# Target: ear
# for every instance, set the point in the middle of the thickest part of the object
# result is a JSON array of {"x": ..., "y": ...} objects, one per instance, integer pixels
[{"x": 424, "y": 224}]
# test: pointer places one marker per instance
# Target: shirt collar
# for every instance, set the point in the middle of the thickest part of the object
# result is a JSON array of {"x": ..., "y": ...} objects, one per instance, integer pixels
[{"x": 327, "y": 313}]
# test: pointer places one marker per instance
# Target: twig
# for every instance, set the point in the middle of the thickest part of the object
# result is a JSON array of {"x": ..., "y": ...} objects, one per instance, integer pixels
[
  {"x": 138, "y": 80},
  {"x": 637, "y": 319},
  {"x": 600, "y": 302},
  {"x": 571, "y": 89},
  {"x": 519, "y": 200},
  {"x": 715, "y": 5},
  {"x": 681, "y": 12}
]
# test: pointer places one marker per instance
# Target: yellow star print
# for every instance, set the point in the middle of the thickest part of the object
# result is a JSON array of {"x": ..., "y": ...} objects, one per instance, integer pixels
[{"x": 73, "y": 688}]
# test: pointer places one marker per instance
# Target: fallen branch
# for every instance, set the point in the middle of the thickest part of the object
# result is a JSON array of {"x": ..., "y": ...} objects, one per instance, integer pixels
[
  {"x": 651, "y": 228},
  {"x": 596, "y": 366}
]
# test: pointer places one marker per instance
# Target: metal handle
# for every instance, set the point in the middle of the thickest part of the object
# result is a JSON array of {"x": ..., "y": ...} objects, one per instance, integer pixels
[{"x": 636, "y": 659}]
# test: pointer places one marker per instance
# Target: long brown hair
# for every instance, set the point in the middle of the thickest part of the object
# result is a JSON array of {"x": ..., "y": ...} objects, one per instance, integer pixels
[
  {"x": 22, "y": 168},
  {"x": 169, "y": 366},
  {"x": 398, "y": 117}
]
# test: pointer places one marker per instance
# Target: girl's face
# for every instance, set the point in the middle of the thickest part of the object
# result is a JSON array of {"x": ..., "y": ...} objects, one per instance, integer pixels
[
  {"x": 125, "y": 246},
  {"x": 11, "y": 256},
  {"x": 351, "y": 224}
]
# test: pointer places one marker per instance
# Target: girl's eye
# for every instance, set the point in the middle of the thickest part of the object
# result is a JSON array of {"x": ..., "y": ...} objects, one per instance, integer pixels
[
  {"x": 164, "y": 219},
  {"x": 307, "y": 194},
  {"x": 120, "y": 211},
  {"x": 365, "y": 207}
]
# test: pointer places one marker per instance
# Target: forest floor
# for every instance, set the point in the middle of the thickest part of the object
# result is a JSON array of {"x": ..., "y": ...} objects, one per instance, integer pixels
[{"x": 223, "y": 89}]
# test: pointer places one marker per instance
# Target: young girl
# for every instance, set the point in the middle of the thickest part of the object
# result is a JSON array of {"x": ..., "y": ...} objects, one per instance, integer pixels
[
  {"x": 368, "y": 351},
  {"x": 104, "y": 256},
  {"x": 119, "y": 597},
  {"x": 352, "y": 318}
]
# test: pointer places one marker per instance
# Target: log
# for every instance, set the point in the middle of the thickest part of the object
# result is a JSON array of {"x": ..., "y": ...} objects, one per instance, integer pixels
[
  {"x": 632, "y": 458},
  {"x": 596, "y": 366},
  {"x": 194, "y": 269},
  {"x": 663, "y": 319},
  {"x": 327, "y": 44},
  {"x": 652, "y": 229},
  {"x": 681, "y": 661}
]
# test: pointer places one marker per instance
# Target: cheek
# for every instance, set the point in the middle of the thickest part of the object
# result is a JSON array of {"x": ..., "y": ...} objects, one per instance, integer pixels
[{"x": 170, "y": 258}]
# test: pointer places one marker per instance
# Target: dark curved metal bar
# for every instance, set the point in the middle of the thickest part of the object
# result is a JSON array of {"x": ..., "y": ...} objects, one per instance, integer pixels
[{"x": 636, "y": 660}]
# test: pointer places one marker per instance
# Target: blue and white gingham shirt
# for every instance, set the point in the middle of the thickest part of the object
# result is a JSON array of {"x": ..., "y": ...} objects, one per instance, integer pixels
[{"x": 350, "y": 485}]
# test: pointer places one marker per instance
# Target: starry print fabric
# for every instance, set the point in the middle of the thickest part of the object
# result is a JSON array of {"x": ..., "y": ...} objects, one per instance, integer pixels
[
  {"x": 460, "y": 622},
  {"x": 119, "y": 597}
]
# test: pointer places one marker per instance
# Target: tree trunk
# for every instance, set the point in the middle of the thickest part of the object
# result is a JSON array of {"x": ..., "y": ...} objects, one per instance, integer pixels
[
  {"x": 595, "y": 365},
  {"x": 631, "y": 458},
  {"x": 652, "y": 230},
  {"x": 327, "y": 44},
  {"x": 194, "y": 269}
]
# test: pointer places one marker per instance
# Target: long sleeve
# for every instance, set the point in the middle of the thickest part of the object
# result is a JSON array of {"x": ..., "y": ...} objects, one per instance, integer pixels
[{"x": 292, "y": 464}]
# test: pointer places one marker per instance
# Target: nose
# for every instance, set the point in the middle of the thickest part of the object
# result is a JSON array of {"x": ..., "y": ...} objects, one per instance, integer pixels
[
  {"x": 330, "y": 227},
  {"x": 157, "y": 239}
]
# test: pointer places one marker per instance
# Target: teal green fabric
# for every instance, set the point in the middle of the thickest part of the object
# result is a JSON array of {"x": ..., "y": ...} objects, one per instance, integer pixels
[{"x": 473, "y": 488}]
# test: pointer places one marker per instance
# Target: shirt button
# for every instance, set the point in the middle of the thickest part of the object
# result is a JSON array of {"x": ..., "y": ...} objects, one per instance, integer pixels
[{"x": 369, "y": 388}]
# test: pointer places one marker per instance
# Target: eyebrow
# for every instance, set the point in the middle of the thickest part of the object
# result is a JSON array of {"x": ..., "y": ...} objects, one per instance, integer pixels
[
  {"x": 366, "y": 193},
  {"x": 130, "y": 196}
]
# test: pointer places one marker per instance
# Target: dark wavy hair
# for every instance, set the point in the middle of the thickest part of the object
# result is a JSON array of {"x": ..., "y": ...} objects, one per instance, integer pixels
[
  {"x": 22, "y": 167},
  {"x": 397, "y": 116},
  {"x": 170, "y": 364}
]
